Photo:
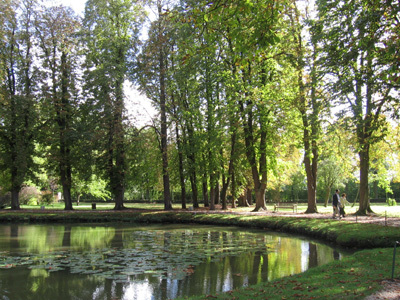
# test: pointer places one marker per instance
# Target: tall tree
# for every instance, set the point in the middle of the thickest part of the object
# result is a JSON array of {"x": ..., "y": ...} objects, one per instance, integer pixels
[
  {"x": 17, "y": 94},
  {"x": 152, "y": 79},
  {"x": 247, "y": 32},
  {"x": 57, "y": 29},
  {"x": 111, "y": 37},
  {"x": 308, "y": 101},
  {"x": 163, "y": 105},
  {"x": 353, "y": 35}
]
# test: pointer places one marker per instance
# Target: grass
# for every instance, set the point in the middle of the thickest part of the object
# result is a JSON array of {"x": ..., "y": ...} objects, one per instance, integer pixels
[
  {"x": 354, "y": 277},
  {"x": 378, "y": 208}
]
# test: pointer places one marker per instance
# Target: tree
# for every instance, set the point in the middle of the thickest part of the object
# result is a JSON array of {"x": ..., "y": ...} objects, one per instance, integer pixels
[
  {"x": 338, "y": 162},
  {"x": 152, "y": 78},
  {"x": 57, "y": 29},
  {"x": 163, "y": 108},
  {"x": 246, "y": 38},
  {"x": 308, "y": 102},
  {"x": 111, "y": 37},
  {"x": 18, "y": 105},
  {"x": 355, "y": 57},
  {"x": 143, "y": 150}
]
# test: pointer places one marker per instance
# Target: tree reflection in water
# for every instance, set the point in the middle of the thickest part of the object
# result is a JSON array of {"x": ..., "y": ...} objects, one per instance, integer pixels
[{"x": 131, "y": 262}]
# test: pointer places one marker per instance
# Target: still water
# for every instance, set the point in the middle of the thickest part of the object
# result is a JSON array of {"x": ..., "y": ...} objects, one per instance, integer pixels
[{"x": 104, "y": 261}]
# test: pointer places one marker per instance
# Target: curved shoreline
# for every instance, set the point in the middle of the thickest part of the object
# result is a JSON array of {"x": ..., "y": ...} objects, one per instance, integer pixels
[
  {"x": 343, "y": 233},
  {"x": 355, "y": 277}
]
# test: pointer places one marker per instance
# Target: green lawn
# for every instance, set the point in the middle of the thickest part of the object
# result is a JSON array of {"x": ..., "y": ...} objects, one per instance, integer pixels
[{"x": 380, "y": 208}]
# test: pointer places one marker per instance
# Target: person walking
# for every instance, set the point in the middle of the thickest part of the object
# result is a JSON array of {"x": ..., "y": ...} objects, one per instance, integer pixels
[
  {"x": 343, "y": 202},
  {"x": 336, "y": 204}
]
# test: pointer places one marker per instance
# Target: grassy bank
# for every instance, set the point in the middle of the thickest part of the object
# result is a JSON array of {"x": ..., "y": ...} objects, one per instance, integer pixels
[
  {"x": 345, "y": 234},
  {"x": 351, "y": 278},
  {"x": 354, "y": 277}
]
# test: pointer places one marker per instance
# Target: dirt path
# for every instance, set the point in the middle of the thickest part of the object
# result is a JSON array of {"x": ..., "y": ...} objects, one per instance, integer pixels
[{"x": 390, "y": 291}]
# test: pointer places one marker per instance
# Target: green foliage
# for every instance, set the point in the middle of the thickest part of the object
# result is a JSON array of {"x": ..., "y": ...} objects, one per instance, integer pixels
[
  {"x": 18, "y": 97},
  {"x": 233, "y": 74},
  {"x": 353, "y": 56},
  {"x": 29, "y": 195},
  {"x": 115, "y": 26},
  {"x": 391, "y": 202},
  {"x": 47, "y": 197},
  {"x": 5, "y": 199}
]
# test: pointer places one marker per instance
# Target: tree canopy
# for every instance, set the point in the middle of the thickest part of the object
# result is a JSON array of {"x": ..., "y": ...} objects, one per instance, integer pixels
[{"x": 281, "y": 100}]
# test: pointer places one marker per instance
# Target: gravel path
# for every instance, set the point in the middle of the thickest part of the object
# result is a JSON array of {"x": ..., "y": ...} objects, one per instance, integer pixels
[
  {"x": 372, "y": 219},
  {"x": 390, "y": 291}
]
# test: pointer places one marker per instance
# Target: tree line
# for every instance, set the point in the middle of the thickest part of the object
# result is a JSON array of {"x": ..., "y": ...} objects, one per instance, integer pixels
[{"x": 253, "y": 98}]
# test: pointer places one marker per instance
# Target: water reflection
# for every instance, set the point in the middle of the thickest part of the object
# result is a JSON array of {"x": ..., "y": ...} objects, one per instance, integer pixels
[{"x": 165, "y": 262}]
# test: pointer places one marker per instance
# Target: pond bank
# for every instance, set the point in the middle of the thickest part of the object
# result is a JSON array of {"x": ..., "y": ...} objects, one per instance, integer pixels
[{"x": 345, "y": 233}]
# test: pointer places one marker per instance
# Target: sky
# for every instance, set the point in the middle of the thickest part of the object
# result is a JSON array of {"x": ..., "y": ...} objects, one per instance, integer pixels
[
  {"x": 139, "y": 108},
  {"x": 77, "y": 5}
]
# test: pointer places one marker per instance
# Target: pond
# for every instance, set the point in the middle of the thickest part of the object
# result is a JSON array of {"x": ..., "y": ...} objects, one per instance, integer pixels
[{"x": 117, "y": 261}]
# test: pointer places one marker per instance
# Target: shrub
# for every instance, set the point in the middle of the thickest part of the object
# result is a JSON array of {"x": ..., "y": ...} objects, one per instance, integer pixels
[
  {"x": 47, "y": 197},
  {"x": 27, "y": 194},
  {"x": 33, "y": 201},
  {"x": 391, "y": 202},
  {"x": 5, "y": 200}
]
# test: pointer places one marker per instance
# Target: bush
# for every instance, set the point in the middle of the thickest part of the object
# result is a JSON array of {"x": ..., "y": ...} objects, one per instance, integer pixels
[
  {"x": 29, "y": 195},
  {"x": 47, "y": 198},
  {"x": 5, "y": 200},
  {"x": 33, "y": 201},
  {"x": 391, "y": 202}
]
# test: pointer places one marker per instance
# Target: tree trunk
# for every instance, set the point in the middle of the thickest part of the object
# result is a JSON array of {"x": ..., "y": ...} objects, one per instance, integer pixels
[
  {"x": 217, "y": 192},
  {"x": 164, "y": 132},
  {"x": 212, "y": 191},
  {"x": 257, "y": 169},
  {"x": 118, "y": 171},
  {"x": 15, "y": 199},
  {"x": 260, "y": 199},
  {"x": 181, "y": 174},
  {"x": 327, "y": 195},
  {"x": 310, "y": 164},
  {"x": 119, "y": 198},
  {"x": 67, "y": 195},
  {"x": 310, "y": 133},
  {"x": 311, "y": 172},
  {"x": 242, "y": 201},
  {"x": 63, "y": 118},
  {"x": 195, "y": 193},
  {"x": 364, "y": 207},
  {"x": 205, "y": 191},
  {"x": 249, "y": 196},
  {"x": 180, "y": 154},
  {"x": 233, "y": 190},
  {"x": 225, "y": 183}
]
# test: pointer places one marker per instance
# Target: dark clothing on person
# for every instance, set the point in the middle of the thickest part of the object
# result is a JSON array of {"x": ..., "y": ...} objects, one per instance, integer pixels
[
  {"x": 336, "y": 204},
  {"x": 342, "y": 212},
  {"x": 335, "y": 200}
]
